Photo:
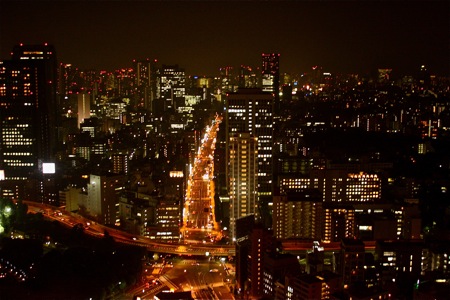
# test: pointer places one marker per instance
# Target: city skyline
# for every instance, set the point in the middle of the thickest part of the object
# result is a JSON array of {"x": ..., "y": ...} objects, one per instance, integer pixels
[
  {"x": 200, "y": 36},
  {"x": 129, "y": 182}
]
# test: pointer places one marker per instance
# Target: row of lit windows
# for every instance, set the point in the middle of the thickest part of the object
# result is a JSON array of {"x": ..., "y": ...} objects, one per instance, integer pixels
[
  {"x": 19, "y": 143},
  {"x": 362, "y": 187},
  {"x": 18, "y": 153},
  {"x": 20, "y": 164}
]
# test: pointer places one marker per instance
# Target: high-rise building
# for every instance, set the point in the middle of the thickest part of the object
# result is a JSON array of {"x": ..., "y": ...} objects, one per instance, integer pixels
[
  {"x": 124, "y": 79},
  {"x": 171, "y": 86},
  {"x": 339, "y": 222},
  {"x": 298, "y": 215},
  {"x": 227, "y": 80},
  {"x": 168, "y": 218},
  {"x": 363, "y": 187},
  {"x": 243, "y": 166},
  {"x": 138, "y": 212},
  {"x": 398, "y": 260},
  {"x": 120, "y": 163},
  {"x": 260, "y": 240},
  {"x": 145, "y": 78},
  {"x": 28, "y": 110},
  {"x": 271, "y": 76},
  {"x": 275, "y": 267},
  {"x": 307, "y": 286},
  {"x": 336, "y": 185},
  {"x": 247, "y": 77},
  {"x": 244, "y": 227},
  {"x": 102, "y": 200},
  {"x": 251, "y": 111},
  {"x": 351, "y": 263}
]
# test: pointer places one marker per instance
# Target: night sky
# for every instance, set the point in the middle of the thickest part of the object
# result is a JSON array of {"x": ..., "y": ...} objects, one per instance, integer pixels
[{"x": 202, "y": 36}]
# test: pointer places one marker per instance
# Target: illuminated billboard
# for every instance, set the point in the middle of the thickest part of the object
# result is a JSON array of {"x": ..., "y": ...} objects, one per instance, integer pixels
[{"x": 48, "y": 168}]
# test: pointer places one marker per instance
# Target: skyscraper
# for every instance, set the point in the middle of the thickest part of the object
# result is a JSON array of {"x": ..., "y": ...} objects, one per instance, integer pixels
[
  {"x": 271, "y": 76},
  {"x": 145, "y": 78},
  {"x": 298, "y": 215},
  {"x": 28, "y": 110},
  {"x": 171, "y": 86},
  {"x": 250, "y": 111},
  {"x": 243, "y": 180},
  {"x": 248, "y": 77}
]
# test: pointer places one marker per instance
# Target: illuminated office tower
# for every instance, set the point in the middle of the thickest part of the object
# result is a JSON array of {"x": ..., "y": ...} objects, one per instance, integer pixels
[
  {"x": 363, "y": 187},
  {"x": 336, "y": 185},
  {"x": 271, "y": 76},
  {"x": 243, "y": 166},
  {"x": 120, "y": 163},
  {"x": 339, "y": 222},
  {"x": 250, "y": 111},
  {"x": 27, "y": 110},
  {"x": 298, "y": 215},
  {"x": 44, "y": 56},
  {"x": 168, "y": 218},
  {"x": 171, "y": 86},
  {"x": 67, "y": 85},
  {"x": 290, "y": 183},
  {"x": 124, "y": 80},
  {"x": 226, "y": 80},
  {"x": 145, "y": 78}
]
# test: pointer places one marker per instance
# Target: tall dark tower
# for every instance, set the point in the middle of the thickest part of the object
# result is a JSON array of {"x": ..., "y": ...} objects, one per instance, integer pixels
[
  {"x": 28, "y": 111},
  {"x": 43, "y": 59},
  {"x": 145, "y": 78},
  {"x": 271, "y": 77}
]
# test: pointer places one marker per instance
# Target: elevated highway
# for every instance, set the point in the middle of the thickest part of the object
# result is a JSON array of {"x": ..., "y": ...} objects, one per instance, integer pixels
[{"x": 97, "y": 230}]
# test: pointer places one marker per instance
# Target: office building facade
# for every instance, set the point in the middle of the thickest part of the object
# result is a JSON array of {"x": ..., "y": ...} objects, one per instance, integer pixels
[
  {"x": 298, "y": 215},
  {"x": 171, "y": 86},
  {"x": 27, "y": 110},
  {"x": 103, "y": 197},
  {"x": 145, "y": 82},
  {"x": 251, "y": 111},
  {"x": 270, "y": 73},
  {"x": 243, "y": 164}
]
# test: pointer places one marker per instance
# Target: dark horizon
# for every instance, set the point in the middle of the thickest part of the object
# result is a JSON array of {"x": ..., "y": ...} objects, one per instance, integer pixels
[{"x": 202, "y": 36}]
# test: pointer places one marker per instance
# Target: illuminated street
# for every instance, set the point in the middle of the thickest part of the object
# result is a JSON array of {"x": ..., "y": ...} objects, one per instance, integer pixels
[
  {"x": 206, "y": 277},
  {"x": 199, "y": 205}
]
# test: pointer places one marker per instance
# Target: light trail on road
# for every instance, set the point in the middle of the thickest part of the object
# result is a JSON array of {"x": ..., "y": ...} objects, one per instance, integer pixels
[{"x": 199, "y": 210}]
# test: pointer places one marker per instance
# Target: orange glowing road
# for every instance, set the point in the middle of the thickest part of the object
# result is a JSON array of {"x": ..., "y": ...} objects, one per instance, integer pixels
[{"x": 199, "y": 202}]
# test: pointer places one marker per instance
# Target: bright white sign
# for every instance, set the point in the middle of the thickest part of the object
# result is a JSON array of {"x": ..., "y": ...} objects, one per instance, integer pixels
[{"x": 48, "y": 168}]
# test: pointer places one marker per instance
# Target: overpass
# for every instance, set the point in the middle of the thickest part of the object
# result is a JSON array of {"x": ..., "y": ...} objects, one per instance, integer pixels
[{"x": 97, "y": 230}]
